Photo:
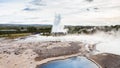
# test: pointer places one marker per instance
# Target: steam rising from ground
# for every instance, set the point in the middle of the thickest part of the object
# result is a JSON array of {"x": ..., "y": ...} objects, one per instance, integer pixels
[{"x": 106, "y": 42}]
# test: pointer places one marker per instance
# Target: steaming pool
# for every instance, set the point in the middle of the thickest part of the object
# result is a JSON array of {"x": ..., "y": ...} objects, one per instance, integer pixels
[{"x": 74, "y": 62}]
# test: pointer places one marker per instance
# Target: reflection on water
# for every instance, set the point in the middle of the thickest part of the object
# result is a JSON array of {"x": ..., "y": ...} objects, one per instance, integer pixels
[{"x": 74, "y": 62}]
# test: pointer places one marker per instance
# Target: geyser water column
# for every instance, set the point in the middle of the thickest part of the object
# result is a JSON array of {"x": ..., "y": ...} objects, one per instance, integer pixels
[{"x": 57, "y": 27}]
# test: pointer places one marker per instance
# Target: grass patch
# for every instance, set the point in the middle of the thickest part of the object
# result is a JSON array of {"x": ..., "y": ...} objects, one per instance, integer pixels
[{"x": 12, "y": 36}]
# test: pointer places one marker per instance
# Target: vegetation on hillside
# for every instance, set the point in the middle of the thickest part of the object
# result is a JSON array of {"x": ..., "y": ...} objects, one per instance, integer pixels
[{"x": 13, "y": 31}]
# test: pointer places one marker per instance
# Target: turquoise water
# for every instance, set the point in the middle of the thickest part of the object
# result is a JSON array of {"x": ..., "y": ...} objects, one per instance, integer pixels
[{"x": 74, "y": 62}]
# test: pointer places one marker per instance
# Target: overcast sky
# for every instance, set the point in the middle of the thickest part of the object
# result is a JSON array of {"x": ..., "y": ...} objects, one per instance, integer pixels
[{"x": 73, "y": 12}]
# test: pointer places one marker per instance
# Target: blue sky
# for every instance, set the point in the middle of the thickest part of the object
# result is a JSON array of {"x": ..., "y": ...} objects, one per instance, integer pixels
[
  {"x": 77, "y": 12},
  {"x": 6, "y": 1}
]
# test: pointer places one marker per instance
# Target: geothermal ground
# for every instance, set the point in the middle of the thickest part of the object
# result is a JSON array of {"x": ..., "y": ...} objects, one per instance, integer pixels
[{"x": 31, "y": 51}]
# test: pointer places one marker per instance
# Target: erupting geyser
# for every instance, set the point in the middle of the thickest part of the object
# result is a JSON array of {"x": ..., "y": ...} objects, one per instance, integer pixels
[{"x": 58, "y": 28}]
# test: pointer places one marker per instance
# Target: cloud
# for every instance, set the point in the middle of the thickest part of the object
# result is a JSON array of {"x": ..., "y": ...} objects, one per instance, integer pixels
[{"x": 77, "y": 12}]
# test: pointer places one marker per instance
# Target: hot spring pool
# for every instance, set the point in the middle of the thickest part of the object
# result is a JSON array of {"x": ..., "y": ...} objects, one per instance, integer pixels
[{"x": 74, "y": 62}]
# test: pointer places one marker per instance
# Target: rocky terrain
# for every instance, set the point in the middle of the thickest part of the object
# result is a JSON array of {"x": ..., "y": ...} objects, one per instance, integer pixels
[
  {"x": 29, "y": 55},
  {"x": 107, "y": 60},
  {"x": 31, "y": 51}
]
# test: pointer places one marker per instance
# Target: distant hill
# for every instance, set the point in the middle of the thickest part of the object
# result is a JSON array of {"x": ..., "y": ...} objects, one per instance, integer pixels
[{"x": 35, "y": 25}]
